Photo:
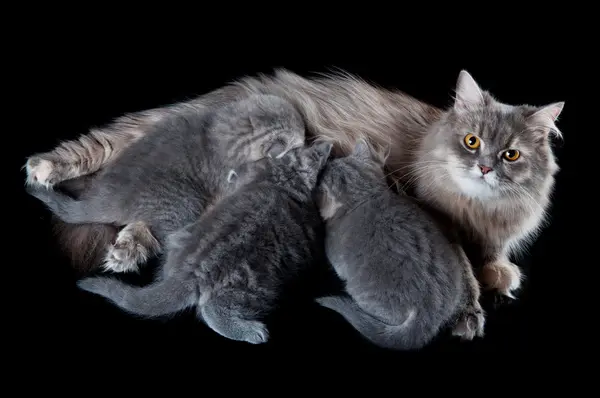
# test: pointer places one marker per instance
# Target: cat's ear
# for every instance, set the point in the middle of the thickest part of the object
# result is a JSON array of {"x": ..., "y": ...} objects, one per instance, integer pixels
[
  {"x": 546, "y": 117},
  {"x": 468, "y": 92},
  {"x": 362, "y": 150},
  {"x": 322, "y": 150},
  {"x": 232, "y": 176},
  {"x": 276, "y": 149}
]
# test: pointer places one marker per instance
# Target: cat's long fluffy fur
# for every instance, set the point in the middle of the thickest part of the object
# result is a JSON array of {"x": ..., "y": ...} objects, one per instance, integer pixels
[{"x": 343, "y": 108}]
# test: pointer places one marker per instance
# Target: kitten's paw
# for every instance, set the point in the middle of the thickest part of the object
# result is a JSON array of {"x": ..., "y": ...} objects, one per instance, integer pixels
[
  {"x": 124, "y": 256},
  {"x": 256, "y": 332},
  {"x": 134, "y": 245},
  {"x": 470, "y": 323},
  {"x": 502, "y": 276},
  {"x": 118, "y": 260},
  {"x": 42, "y": 171}
]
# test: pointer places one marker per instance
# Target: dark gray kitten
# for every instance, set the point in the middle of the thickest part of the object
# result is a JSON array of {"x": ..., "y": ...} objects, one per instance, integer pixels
[
  {"x": 232, "y": 263},
  {"x": 163, "y": 182},
  {"x": 405, "y": 278}
]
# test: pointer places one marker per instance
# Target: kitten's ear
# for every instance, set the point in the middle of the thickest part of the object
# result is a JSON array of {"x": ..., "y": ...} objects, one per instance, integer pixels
[
  {"x": 322, "y": 150},
  {"x": 276, "y": 150},
  {"x": 468, "y": 92},
  {"x": 546, "y": 116},
  {"x": 362, "y": 149},
  {"x": 232, "y": 176}
]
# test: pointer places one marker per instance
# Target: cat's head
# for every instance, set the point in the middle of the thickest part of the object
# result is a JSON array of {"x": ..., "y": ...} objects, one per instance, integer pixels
[
  {"x": 277, "y": 130},
  {"x": 297, "y": 166},
  {"x": 348, "y": 180},
  {"x": 484, "y": 149}
]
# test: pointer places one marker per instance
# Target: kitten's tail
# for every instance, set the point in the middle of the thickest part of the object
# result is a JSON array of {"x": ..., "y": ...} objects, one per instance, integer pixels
[
  {"x": 160, "y": 298},
  {"x": 380, "y": 333}
]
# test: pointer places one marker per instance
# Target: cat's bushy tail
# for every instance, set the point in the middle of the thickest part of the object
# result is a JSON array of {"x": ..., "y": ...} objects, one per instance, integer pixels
[
  {"x": 382, "y": 334},
  {"x": 85, "y": 245},
  {"x": 163, "y": 297}
]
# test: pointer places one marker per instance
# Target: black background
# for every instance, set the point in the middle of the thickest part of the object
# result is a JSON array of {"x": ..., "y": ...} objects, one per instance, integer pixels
[{"x": 69, "y": 87}]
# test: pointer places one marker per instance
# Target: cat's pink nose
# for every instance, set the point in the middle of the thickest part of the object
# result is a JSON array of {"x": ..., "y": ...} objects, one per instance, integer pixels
[{"x": 485, "y": 169}]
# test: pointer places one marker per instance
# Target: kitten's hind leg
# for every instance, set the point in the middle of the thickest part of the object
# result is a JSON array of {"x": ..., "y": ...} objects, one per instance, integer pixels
[
  {"x": 134, "y": 246},
  {"x": 471, "y": 318},
  {"x": 233, "y": 314}
]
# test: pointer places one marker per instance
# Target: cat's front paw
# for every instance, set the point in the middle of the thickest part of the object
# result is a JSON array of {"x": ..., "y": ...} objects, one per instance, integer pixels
[
  {"x": 41, "y": 171},
  {"x": 503, "y": 277},
  {"x": 470, "y": 323}
]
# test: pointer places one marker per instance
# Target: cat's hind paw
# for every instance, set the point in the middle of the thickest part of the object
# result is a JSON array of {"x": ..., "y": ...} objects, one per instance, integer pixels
[{"x": 470, "y": 323}]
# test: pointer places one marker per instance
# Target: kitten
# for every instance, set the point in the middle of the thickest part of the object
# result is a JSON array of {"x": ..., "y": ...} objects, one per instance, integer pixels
[
  {"x": 405, "y": 279},
  {"x": 163, "y": 182},
  {"x": 428, "y": 149},
  {"x": 231, "y": 264}
]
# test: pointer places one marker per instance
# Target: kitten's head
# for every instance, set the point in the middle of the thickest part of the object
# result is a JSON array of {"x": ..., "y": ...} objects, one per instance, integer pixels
[
  {"x": 299, "y": 167},
  {"x": 277, "y": 129},
  {"x": 349, "y": 180},
  {"x": 484, "y": 149}
]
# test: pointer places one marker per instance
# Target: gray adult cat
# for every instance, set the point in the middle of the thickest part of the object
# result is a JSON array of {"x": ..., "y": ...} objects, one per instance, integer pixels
[
  {"x": 233, "y": 262},
  {"x": 165, "y": 181},
  {"x": 406, "y": 278},
  {"x": 486, "y": 164}
]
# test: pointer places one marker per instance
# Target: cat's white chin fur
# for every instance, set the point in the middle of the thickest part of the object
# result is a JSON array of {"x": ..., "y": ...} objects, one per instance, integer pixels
[{"x": 473, "y": 184}]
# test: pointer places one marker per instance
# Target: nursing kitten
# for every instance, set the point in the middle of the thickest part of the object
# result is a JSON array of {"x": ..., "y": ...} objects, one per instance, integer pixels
[
  {"x": 406, "y": 279},
  {"x": 233, "y": 262},
  {"x": 163, "y": 182},
  {"x": 486, "y": 164}
]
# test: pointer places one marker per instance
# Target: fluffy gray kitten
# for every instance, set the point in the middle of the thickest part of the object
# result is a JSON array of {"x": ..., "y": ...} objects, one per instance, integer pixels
[
  {"x": 165, "y": 181},
  {"x": 486, "y": 164},
  {"x": 233, "y": 262},
  {"x": 406, "y": 278}
]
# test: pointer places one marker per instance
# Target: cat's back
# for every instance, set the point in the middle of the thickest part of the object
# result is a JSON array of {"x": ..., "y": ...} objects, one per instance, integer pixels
[
  {"x": 175, "y": 147},
  {"x": 269, "y": 207},
  {"x": 260, "y": 226},
  {"x": 399, "y": 238}
]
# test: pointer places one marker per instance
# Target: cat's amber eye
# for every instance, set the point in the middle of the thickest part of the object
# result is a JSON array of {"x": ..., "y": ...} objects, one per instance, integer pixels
[
  {"x": 511, "y": 155},
  {"x": 472, "y": 141}
]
